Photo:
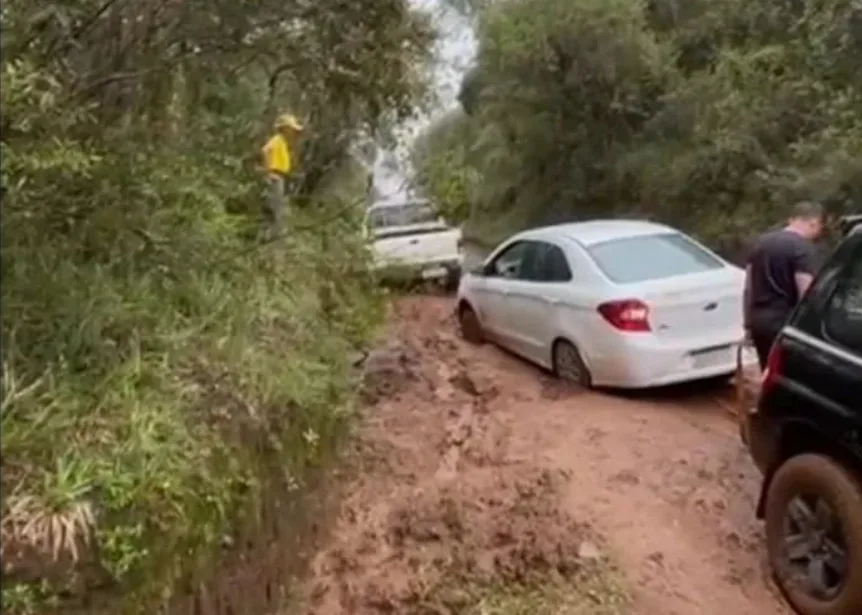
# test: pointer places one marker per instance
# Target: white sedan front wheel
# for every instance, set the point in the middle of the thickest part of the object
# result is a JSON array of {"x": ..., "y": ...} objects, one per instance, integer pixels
[{"x": 471, "y": 328}]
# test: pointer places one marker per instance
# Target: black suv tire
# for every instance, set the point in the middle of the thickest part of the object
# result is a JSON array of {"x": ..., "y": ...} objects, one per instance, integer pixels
[{"x": 816, "y": 476}]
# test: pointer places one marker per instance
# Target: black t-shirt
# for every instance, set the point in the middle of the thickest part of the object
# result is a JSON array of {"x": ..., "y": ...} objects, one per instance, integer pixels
[{"x": 775, "y": 260}]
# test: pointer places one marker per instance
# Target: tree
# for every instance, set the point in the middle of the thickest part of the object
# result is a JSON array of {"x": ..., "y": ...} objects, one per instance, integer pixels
[
  {"x": 707, "y": 115},
  {"x": 442, "y": 157},
  {"x": 158, "y": 366}
]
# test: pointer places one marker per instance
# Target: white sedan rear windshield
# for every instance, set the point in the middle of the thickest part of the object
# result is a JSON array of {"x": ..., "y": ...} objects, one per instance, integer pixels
[{"x": 651, "y": 257}]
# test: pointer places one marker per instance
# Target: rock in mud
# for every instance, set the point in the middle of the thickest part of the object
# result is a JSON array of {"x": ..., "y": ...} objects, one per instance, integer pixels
[
  {"x": 474, "y": 384},
  {"x": 387, "y": 370},
  {"x": 588, "y": 551}
]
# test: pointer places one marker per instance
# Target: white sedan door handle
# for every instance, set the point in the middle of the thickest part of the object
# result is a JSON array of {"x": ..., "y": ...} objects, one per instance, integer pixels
[{"x": 552, "y": 300}]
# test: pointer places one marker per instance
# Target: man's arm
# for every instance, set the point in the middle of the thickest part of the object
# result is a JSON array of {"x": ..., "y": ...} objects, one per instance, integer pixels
[
  {"x": 266, "y": 156},
  {"x": 803, "y": 268},
  {"x": 746, "y": 299},
  {"x": 803, "y": 282}
]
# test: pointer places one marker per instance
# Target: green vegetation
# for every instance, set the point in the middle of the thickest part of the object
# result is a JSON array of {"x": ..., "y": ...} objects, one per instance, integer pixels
[
  {"x": 710, "y": 115},
  {"x": 163, "y": 371},
  {"x": 444, "y": 159}
]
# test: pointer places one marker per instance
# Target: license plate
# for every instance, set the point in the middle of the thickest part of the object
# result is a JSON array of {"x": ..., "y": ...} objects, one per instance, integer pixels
[
  {"x": 434, "y": 272},
  {"x": 711, "y": 358}
]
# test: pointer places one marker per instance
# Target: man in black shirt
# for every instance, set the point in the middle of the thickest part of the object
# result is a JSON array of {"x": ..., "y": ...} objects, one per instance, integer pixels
[{"x": 779, "y": 271}]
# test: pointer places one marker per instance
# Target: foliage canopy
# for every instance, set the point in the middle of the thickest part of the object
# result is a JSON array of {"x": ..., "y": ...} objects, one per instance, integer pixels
[
  {"x": 710, "y": 115},
  {"x": 146, "y": 335}
]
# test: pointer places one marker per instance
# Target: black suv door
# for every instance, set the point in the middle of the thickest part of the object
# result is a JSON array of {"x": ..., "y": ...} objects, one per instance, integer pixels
[{"x": 821, "y": 352}]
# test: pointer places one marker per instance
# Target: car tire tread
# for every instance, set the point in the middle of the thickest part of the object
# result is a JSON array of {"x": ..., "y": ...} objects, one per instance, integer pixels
[
  {"x": 471, "y": 328},
  {"x": 819, "y": 475},
  {"x": 585, "y": 380}
]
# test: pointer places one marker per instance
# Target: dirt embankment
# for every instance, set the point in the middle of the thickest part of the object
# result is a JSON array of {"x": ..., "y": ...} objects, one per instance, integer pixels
[{"x": 486, "y": 488}]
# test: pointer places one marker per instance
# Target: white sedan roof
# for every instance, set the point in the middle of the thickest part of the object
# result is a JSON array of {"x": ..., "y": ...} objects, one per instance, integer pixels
[{"x": 596, "y": 231}]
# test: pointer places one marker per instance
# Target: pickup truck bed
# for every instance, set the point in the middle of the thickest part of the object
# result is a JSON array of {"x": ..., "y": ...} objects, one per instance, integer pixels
[{"x": 424, "y": 251}]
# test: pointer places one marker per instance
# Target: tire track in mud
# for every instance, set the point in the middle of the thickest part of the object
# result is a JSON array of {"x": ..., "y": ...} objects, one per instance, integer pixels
[
  {"x": 478, "y": 468},
  {"x": 439, "y": 502}
]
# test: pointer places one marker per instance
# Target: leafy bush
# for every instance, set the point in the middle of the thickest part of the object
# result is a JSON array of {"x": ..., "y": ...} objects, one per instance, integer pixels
[
  {"x": 133, "y": 353},
  {"x": 162, "y": 368},
  {"x": 443, "y": 161},
  {"x": 710, "y": 116}
]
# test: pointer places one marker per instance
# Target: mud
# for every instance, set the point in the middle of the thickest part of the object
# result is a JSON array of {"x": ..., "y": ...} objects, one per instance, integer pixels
[{"x": 476, "y": 468}]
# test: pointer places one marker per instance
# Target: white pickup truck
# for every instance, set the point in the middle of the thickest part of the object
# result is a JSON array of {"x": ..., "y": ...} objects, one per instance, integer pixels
[{"x": 409, "y": 237}]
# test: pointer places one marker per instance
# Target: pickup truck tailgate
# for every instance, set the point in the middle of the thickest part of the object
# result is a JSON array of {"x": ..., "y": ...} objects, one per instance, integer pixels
[{"x": 417, "y": 245}]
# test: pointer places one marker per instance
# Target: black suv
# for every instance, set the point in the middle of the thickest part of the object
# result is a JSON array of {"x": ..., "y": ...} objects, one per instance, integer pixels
[{"x": 806, "y": 437}]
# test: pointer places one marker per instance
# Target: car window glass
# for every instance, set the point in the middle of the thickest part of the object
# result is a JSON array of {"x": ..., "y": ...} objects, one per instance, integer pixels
[
  {"x": 651, "y": 257},
  {"x": 508, "y": 263},
  {"x": 843, "y": 316},
  {"x": 546, "y": 263},
  {"x": 556, "y": 266},
  {"x": 416, "y": 212},
  {"x": 533, "y": 268}
]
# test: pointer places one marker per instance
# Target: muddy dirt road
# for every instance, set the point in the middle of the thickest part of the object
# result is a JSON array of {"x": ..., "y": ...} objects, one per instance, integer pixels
[{"x": 479, "y": 471}]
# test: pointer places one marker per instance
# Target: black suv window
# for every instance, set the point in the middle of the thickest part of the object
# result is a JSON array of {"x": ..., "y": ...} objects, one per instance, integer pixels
[{"x": 843, "y": 315}]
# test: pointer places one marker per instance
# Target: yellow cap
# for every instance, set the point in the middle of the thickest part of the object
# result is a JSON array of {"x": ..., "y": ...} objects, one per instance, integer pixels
[{"x": 288, "y": 120}]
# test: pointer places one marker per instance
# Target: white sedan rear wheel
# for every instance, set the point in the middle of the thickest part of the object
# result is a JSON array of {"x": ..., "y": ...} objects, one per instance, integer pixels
[{"x": 569, "y": 366}]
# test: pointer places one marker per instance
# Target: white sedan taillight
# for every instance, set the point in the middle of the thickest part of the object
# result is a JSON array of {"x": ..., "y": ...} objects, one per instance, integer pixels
[{"x": 629, "y": 315}]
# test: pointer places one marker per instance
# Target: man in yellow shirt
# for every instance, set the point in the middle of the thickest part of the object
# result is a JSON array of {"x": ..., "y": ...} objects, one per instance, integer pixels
[{"x": 278, "y": 163}]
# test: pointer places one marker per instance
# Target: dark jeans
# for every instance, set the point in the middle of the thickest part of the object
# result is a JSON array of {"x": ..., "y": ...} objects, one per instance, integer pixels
[
  {"x": 763, "y": 340},
  {"x": 765, "y": 325}
]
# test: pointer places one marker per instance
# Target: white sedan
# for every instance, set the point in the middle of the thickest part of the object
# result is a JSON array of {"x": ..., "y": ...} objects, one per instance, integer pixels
[{"x": 615, "y": 303}]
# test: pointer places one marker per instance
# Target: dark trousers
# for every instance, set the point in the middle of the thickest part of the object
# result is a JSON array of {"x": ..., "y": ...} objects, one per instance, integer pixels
[{"x": 763, "y": 340}]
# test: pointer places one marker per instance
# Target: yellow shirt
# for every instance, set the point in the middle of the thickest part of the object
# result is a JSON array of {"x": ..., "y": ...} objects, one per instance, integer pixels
[{"x": 276, "y": 155}]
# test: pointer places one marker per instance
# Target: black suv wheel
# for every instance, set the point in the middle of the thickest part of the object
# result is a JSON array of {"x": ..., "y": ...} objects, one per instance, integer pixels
[{"x": 814, "y": 535}]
